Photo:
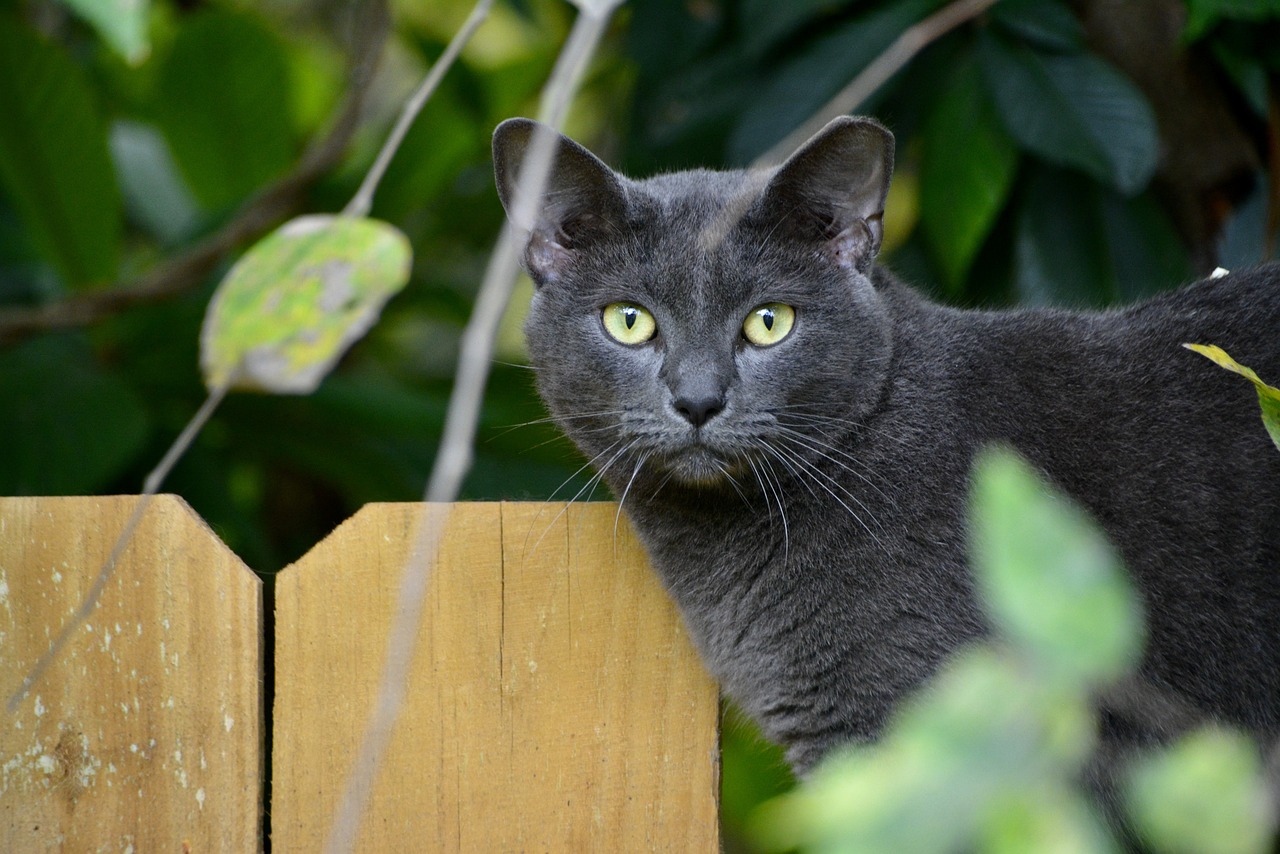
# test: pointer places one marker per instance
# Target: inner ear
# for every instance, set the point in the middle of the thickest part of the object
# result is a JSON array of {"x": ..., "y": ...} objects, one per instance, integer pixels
[
  {"x": 831, "y": 191},
  {"x": 583, "y": 199}
]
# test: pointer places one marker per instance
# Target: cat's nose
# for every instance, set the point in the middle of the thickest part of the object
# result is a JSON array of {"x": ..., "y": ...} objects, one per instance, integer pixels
[{"x": 698, "y": 410}]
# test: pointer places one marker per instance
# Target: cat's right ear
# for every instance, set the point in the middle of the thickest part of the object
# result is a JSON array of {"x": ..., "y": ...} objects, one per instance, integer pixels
[{"x": 583, "y": 198}]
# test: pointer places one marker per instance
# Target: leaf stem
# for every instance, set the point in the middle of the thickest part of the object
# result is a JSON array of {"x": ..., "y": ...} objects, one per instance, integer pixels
[
  {"x": 150, "y": 486},
  {"x": 362, "y": 201}
]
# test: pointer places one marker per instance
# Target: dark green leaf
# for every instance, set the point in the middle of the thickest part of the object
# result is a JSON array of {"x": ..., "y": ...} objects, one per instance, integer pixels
[
  {"x": 224, "y": 106},
  {"x": 1146, "y": 254},
  {"x": 1052, "y": 583},
  {"x": 1059, "y": 247},
  {"x": 966, "y": 168},
  {"x": 1073, "y": 110},
  {"x": 797, "y": 89},
  {"x": 1205, "y": 795},
  {"x": 121, "y": 23},
  {"x": 1114, "y": 113},
  {"x": 67, "y": 425},
  {"x": 53, "y": 158},
  {"x": 766, "y": 22},
  {"x": 1078, "y": 244},
  {"x": 1203, "y": 14},
  {"x": 1045, "y": 23}
]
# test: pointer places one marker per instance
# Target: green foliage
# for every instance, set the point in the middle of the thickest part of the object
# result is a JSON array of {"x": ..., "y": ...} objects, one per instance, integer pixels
[
  {"x": 987, "y": 755},
  {"x": 54, "y": 165},
  {"x": 121, "y": 23},
  {"x": 1053, "y": 584},
  {"x": 1205, "y": 795},
  {"x": 223, "y": 102}
]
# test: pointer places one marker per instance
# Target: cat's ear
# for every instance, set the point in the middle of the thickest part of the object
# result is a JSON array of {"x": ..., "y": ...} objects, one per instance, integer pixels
[
  {"x": 583, "y": 199},
  {"x": 832, "y": 190}
]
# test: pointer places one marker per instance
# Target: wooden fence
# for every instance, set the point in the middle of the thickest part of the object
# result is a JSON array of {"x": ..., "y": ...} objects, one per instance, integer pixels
[{"x": 555, "y": 703}]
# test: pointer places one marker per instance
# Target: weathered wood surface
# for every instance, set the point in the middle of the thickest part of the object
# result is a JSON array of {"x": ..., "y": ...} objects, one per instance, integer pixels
[
  {"x": 145, "y": 735},
  {"x": 555, "y": 703}
]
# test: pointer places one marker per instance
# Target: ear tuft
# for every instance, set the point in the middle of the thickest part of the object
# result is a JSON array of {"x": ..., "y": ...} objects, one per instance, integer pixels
[
  {"x": 582, "y": 201},
  {"x": 832, "y": 191}
]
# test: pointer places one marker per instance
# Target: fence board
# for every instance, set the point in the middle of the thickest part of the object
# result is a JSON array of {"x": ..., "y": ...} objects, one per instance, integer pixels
[
  {"x": 555, "y": 703},
  {"x": 146, "y": 734}
]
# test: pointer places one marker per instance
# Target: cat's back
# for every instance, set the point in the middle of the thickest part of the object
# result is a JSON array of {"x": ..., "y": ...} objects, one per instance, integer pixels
[{"x": 1168, "y": 451}]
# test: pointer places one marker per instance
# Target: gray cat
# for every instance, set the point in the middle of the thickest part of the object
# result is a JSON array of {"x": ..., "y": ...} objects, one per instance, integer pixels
[{"x": 791, "y": 430}]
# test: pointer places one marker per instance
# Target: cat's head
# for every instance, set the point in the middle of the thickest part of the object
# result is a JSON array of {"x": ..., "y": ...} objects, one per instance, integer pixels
[{"x": 698, "y": 325}]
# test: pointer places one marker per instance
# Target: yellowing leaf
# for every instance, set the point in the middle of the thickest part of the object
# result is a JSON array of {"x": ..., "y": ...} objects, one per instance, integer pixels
[
  {"x": 297, "y": 299},
  {"x": 1268, "y": 396}
]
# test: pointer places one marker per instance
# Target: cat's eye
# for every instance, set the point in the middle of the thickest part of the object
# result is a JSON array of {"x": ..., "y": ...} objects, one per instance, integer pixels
[
  {"x": 628, "y": 323},
  {"x": 768, "y": 324}
]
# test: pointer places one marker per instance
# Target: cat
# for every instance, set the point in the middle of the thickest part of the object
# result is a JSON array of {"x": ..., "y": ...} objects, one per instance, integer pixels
[{"x": 790, "y": 430}]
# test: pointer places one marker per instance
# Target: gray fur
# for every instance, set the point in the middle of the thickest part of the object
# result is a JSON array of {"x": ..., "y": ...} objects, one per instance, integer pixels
[{"x": 813, "y": 531}]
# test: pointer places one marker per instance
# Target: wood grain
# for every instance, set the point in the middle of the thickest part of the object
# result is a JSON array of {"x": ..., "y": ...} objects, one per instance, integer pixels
[
  {"x": 146, "y": 734},
  {"x": 555, "y": 702}
]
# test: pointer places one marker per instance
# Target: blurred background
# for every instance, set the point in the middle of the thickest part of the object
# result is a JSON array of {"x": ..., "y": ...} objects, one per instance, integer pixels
[{"x": 1076, "y": 153}]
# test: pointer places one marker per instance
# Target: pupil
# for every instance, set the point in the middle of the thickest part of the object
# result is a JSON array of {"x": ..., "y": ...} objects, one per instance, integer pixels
[
  {"x": 629, "y": 317},
  {"x": 767, "y": 317}
]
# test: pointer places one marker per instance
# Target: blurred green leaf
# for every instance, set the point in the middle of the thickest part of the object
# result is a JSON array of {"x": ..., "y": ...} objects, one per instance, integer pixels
[
  {"x": 1203, "y": 14},
  {"x": 949, "y": 759},
  {"x": 1045, "y": 23},
  {"x": 1204, "y": 795},
  {"x": 1050, "y": 819},
  {"x": 53, "y": 158},
  {"x": 68, "y": 426},
  {"x": 1051, "y": 581},
  {"x": 1079, "y": 244},
  {"x": 966, "y": 169},
  {"x": 121, "y": 23},
  {"x": 1060, "y": 252},
  {"x": 154, "y": 193},
  {"x": 224, "y": 105},
  {"x": 1073, "y": 110},
  {"x": 1268, "y": 396},
  {"x": 767, "y": 22},
  {"x": 296, "y": 300}
]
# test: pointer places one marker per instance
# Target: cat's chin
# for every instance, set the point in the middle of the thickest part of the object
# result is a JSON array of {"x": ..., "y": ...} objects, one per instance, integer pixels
[{"x": 699, "y": 467}]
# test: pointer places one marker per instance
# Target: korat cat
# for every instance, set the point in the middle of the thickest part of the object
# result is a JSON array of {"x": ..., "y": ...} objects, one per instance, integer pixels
[{"x": 791, "y": 429}]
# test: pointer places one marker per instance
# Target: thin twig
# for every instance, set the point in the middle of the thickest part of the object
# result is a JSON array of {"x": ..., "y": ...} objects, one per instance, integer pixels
[
  {"x": 454, "y": 457},
  {"x": 362, "y": 201},
  {"x": 150, "y": 486},
  {"x": 264, "y": 211},
  {"x": 913, "y": 40}
]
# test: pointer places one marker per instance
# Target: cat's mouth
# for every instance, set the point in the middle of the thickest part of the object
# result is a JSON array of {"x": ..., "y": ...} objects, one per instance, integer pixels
[{"x": 696, "y": 464}]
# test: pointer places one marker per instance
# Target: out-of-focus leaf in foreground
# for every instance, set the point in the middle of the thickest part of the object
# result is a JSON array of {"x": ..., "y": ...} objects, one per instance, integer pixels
[
  {"x": 1050, "y": 580},
  {"x": 1204, "y": 795},
  {"x": 298, "y": 298}
]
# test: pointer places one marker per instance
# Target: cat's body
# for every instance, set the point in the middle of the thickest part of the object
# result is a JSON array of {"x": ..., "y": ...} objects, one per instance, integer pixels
[{"x": 805, "y": 500}]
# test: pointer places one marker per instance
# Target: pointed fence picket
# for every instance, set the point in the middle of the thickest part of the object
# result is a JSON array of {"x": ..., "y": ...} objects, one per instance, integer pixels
[{"x": 554, "y": 704}]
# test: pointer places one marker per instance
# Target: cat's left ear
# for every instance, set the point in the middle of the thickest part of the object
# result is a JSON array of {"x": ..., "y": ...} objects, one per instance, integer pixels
[
  {"x": 832, "y": 190},
  {"x": 583, "y": 200}
]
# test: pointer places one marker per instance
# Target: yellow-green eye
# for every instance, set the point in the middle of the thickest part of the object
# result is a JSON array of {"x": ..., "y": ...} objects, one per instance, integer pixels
[
  {"x": 628, "y": 323},
  {"x": 769, "y": 323}
]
